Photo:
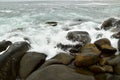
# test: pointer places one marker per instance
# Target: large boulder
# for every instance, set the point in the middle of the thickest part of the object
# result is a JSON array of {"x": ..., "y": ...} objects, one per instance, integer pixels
[
  {"x": 107, "y": 24},
  {"x": 105, "y": 46},
  {"x": 9, "y": 60},
  {"x": 86, "y": 60},
  {"x": 58, "y": 72},
  {"x": 61, "y": 58},
  {"x": 30, "y": 62},
  {"x": 79, "y": 36},
  {"x": 89, "y": 55},
  {"x": 4, "y": 44}
]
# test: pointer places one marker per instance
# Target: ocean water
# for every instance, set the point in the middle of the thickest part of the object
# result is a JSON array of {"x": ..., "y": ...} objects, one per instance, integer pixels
[{"x": 25, "y": 21}]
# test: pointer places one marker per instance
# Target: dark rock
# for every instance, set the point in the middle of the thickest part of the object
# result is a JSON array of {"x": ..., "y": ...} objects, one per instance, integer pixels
[
  {"x": 104, "y": 76},
  {"x": 117, "y": 69},
  {"x": 79, "y": 36},
  {"x": 119, "y": 45},
  {"x": 69, "y": 47},
  {"x": 9, "y": 60},
  {"x": 30, "y": 62},
  {"x": 107, "y": 24},
  {"x": 61, "y": 58},
  {"x": 84, "y": 71},
  {"x": 52, "y": 23},
  {"x": 101, "y": 69},
  {"x": 115, "y": 77},
  {"x": 4, "y": 44},
  {"x": 58, "y": 72},
  {"x": 116, "y": 35},
  {"x": 105, "y": 46}
]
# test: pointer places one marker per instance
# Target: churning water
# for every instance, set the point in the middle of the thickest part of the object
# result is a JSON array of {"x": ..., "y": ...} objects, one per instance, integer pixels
[{"x": 26, "y": 21}]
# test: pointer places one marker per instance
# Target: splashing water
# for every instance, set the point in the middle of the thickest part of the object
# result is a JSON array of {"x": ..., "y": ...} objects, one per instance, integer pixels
[{"x": 26, "y": 21}]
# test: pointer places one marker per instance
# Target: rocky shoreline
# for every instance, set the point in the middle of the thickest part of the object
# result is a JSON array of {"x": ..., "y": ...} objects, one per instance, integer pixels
[{"x": 84, "y": 61}]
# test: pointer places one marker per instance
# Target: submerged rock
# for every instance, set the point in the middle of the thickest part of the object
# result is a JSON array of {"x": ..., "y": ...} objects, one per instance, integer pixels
[
  {"x": 116, "y": 35},
  {"x": 107, "y": 24},
  {"x": 9, "y": 60},
  {"x": 52, "y": 23},
  {"x": 75, "y": 48},
  {"x": 30, "y": 62},
  {"x": 4, "y": 44},
  {"x": 58, "y": 72},
  {"x": 79, "y": 36},
  {"x": 105, "y": 46}
]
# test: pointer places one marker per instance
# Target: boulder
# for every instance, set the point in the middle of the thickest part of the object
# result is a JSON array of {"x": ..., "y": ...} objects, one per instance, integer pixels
[
  {"x": 104, "y": 76},
  {"x": 117, "y": 69},
  {"x": 90, "y": 49},
  {"x": 30, "y": 62},
  {"x": 4, "y": 44},
  {"x": 118, "y": 45},
  {"x": 107, "y": 24},
  {"x": 86, "y": 60},
  {"x": 116, "y": 35},
  {"x": 105, "y": 46},
  {"x": 101, "y": 69},
  {"x": 79, "y": 36},
  {"x": 61, "y": 58},
  {"x": 84, "y": 71},
  {"x": 10, "y": 60},
  {"x": 52, "y": 23},
  {"x": 58, "y": 72}
]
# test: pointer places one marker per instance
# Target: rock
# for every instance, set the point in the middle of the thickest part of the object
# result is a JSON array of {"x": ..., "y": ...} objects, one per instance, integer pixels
[
  {"x": 4, "y": 44},
  {"x": 9, "y": 60},
  {"x": 116, "y": 35},
  {"x": 86, "y": 60},
  {"x": 107, "y": 24},
  {"x": 89, "y": 55},
  {"x": 84, "y": 71},
  {"x": 58, "y": 72},
  {"x": 75, "y": 48},
  {"x": 104, "y": 76},
  {"x": 115, "y": 77},
  {"x": 113, "y": 60},
  {"x": 30, "y": 62},
  {"x": 105, "y": 46},
  {"x": 117, "y": 69},
  {"x": 79, "y": 36},
  {"x": 52, "y": 23},
  {"x": 64, "y": 58},
  {"x": 90, "y": 49},
  {"x": 101, "y": 69},
  {"x": 61, "y": 58},
  {"x": 119, "y": 45}
]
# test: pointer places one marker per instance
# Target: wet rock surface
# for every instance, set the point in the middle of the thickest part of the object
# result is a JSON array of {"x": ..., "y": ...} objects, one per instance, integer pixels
[
  {"x": 58, "y": 72},
  {"x": 30, "y": 62}
]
